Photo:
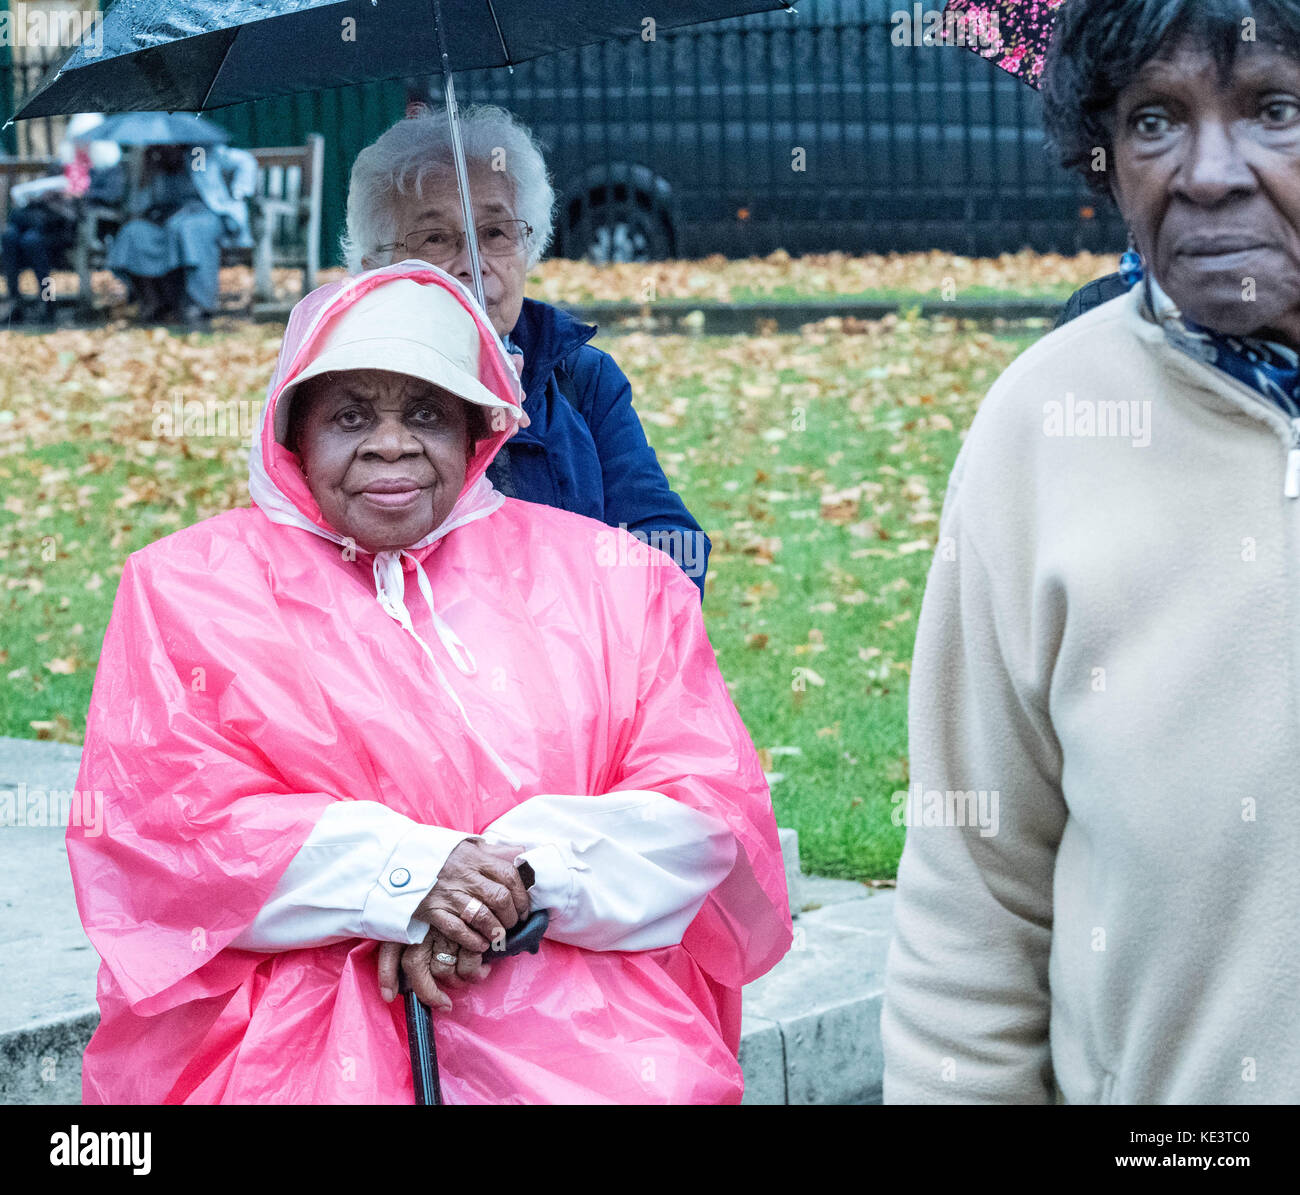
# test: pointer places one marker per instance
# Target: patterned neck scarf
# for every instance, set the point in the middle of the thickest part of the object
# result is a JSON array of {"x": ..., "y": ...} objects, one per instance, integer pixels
[{"x": 1270, "y": 369}]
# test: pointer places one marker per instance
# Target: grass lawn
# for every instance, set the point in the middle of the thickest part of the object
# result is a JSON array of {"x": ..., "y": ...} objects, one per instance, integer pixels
[{"x": 816, "y": 462}]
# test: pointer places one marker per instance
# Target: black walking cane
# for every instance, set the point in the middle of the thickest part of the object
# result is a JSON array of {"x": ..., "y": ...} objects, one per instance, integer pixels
[{"x": 525, "y": 937}]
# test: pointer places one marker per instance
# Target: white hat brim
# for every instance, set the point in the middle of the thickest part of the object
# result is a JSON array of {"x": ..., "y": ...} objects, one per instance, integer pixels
[{"x": 393, "y": 355}]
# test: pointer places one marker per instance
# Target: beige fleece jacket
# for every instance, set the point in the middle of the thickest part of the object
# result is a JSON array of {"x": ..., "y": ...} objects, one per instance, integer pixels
[{"x": 1110, "y": 643}]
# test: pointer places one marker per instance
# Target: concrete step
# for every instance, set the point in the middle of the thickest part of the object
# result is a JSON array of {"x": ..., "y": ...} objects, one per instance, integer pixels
[
  {"x": 47, "y": 966},
  {"x": 811, "y": 1031}
]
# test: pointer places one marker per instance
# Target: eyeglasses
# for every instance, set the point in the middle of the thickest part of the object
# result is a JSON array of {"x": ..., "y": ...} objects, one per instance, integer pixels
[{"x": 500, "y": 238}]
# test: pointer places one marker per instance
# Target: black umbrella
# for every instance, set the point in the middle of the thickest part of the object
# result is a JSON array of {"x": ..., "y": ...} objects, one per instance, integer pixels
[
  {"x": 156, "y": 128},
  {"x": 197, "y": 56}
]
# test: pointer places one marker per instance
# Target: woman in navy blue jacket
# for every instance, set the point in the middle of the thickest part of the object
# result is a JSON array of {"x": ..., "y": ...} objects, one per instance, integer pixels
[{"x": 584, "y": 450}]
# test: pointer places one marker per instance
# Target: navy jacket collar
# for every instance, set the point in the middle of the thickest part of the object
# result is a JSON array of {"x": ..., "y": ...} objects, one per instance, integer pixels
[{"x": 546, "y": 335}]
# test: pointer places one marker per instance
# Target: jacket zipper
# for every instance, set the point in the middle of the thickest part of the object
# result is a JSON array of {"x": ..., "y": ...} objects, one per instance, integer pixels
[{"x": 1291, "y": 489}]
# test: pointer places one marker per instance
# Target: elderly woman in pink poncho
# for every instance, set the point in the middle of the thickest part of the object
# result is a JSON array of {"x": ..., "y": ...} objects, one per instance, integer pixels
[{"x": 335, "y": 730}]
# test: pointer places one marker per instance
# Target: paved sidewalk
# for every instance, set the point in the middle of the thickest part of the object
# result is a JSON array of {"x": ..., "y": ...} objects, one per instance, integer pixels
[{"x": 811, "y": 1028}]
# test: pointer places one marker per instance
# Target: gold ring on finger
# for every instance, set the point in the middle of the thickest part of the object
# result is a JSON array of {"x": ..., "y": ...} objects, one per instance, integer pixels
[{"x": 472, "y": 909}]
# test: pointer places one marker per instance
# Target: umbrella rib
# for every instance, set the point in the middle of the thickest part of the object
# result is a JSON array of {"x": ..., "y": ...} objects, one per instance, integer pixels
[
  {"x": 207, "y": 95},
  {"x": 501, "y": 37},
  {"x": 220, "y": 66}
]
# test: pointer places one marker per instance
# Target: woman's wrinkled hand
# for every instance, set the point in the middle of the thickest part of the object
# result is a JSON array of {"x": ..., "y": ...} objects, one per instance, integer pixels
[
  {"x": 426, "y": 966},
  {"x": 479, "y": 895}
]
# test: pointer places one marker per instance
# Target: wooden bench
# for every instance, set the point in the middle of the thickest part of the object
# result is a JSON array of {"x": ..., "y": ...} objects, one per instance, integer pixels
[{"x": 284, "y": 214}]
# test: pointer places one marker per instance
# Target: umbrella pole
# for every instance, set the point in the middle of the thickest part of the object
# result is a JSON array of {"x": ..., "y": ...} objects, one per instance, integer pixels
[{"x": 458, "y": 155}]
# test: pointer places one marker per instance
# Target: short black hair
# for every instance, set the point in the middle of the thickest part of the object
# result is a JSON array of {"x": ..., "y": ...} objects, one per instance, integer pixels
[
  {"x": 1099, "y": 46},
  {"x": 301, "y": 396},
  {"x": 478, "y": 424},
  {"x": 300, "y": 400}
]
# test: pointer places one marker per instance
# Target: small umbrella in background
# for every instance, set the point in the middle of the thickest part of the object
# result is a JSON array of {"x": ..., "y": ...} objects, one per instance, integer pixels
[
  {"x": 1013, "y": 34},
  {"x": 203, "y": 54},
  {"x": 156, "y": 128},
  {"x": 135, "y": 131}
]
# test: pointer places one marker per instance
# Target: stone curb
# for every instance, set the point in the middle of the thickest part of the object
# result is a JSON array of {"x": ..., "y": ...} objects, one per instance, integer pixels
[
  {"x": 709, "y": 317},
  {"x": 41, "y": 1063},
  {"x": 730, "y": 319},
  {"x": 811, "y": 1032}
]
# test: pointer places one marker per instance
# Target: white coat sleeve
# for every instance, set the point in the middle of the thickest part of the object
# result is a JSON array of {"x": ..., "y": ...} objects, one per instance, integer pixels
[
  {"x": 361, "y": 874},
  {"x": 623, "y": 870}
]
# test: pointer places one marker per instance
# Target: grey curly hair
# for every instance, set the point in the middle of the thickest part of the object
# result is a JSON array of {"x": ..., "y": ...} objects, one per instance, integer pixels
[{"x": 402, "y": 158}]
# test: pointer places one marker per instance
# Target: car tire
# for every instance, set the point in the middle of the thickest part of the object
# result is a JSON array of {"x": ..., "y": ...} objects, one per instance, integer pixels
[{"x": 620, "y": 232}]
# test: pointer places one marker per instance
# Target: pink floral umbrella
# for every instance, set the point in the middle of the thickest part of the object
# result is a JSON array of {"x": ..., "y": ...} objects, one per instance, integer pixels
[{"x": 1014, "y": 34}]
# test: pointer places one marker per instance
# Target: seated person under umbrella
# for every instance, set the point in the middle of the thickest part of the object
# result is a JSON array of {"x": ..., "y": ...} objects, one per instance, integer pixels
[{"x": 190, "y": 203}]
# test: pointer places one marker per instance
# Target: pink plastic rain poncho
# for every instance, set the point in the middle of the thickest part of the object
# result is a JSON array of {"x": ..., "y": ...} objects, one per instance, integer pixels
[{"x": 250, "y": 677}]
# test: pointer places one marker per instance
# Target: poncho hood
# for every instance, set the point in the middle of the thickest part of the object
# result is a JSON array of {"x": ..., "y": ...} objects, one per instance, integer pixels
[{"x": 276, "y": 482}]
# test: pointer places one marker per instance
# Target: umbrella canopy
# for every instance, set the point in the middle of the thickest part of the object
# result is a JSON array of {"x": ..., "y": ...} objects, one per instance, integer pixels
[
  {"x": 1013, "y": 34},
  {"x": 155, "y": 128},
  {"x": 198, "y": 56}
]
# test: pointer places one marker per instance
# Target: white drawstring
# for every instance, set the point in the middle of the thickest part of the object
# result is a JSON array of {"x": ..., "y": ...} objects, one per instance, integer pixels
[
  {"x": 390, "y": 590},
  {"x": 450, "y": 640}
]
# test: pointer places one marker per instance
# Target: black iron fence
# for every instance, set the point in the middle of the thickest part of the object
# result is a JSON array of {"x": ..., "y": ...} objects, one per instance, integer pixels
[{"x": 805, "y": 132}]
